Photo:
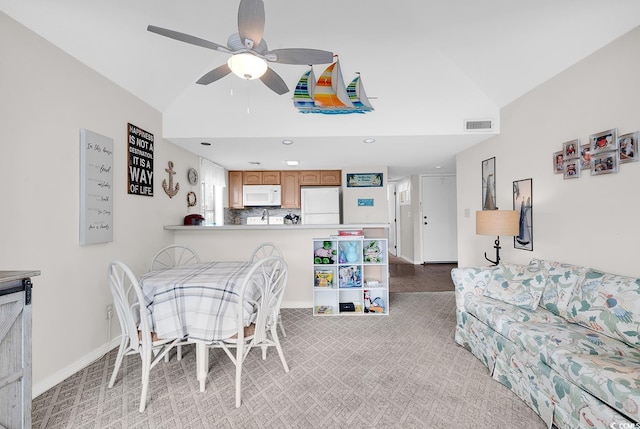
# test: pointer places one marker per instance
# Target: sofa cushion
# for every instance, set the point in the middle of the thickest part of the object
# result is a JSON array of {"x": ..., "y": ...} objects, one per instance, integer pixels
[
  {"x": 609, "y": 304},
  {"x": 562, "y": 280},
  {"x": 519, "y": 285}
]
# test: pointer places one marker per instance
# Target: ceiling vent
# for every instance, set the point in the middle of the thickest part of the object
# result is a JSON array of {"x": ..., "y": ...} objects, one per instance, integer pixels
[{"x": 478, "y": 125}]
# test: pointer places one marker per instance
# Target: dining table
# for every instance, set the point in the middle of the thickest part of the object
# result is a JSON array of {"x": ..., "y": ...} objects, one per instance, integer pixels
[{"x": 197, "y": 303}]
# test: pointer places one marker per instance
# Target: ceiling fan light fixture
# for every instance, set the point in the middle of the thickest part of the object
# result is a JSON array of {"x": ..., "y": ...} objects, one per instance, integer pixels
[{"x": 247, "y": 66}]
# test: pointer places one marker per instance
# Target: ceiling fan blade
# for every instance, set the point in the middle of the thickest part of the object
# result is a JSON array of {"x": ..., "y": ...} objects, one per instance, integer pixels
[
  {"x": 215, "y": 74},
  {"x": 251, "y": 22},
  {"x": 301, "y": 56},
  {"x": 182, "y": 37},
  {"x": 274, "y": 82}
]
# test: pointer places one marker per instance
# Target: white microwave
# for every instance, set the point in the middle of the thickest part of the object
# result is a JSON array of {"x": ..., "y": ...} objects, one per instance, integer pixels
[{"x": 261, "y": 195}]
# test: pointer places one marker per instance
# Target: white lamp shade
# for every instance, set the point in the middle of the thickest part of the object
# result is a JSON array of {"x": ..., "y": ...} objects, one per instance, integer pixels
[
  {"x": 497, "y": 222},
  {"x": 247, "y": 66}
]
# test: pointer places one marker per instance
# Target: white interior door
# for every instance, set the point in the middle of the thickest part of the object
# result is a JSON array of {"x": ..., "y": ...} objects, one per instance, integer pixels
[
  {"x": 393, "y": 222},
  {"x": 439, "y": 221}
]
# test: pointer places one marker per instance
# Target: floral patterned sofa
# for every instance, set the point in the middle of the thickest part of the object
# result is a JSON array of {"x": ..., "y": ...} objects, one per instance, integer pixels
[{"x": 564, "y": 338}]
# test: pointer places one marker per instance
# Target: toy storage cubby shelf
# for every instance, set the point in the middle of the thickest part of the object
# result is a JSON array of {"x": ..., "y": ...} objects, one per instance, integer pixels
[{"x": 345, "y": 268}]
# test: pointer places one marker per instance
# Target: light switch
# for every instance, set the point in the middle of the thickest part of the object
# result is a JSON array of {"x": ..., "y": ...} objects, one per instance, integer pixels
[{"x": 467, "y": 212}]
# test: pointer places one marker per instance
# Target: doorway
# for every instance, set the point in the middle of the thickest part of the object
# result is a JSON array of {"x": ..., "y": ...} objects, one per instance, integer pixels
[{"x": 439, "y": 219}]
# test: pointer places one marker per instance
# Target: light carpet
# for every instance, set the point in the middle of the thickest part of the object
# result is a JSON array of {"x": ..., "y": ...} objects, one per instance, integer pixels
[{"x": 403, "y": 370}]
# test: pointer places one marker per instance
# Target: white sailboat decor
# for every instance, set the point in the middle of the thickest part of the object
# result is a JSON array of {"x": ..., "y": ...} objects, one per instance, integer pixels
[{"x": 329, "y": 95}]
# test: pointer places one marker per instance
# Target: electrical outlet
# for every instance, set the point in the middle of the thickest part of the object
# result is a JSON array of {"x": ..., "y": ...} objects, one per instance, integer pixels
[{"x": 109, "y": 313}]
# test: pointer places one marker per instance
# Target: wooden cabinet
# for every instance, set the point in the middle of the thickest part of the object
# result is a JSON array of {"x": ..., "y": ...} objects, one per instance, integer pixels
[
  {"x": 331, "y": 177},
  {"x": 290, "y": 189},
  {"x": 261, "y": 177},
  {"x": 289, "y": 180},
  {"x": 310, "y": 178},
  {"x": 235, "y": 189},
  {"x": 320, "y": 178},
  {"x": 15, "y": 348}
]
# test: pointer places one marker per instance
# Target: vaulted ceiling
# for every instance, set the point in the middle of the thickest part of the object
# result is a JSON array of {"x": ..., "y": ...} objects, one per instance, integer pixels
[{"x": 427, "y": 65}]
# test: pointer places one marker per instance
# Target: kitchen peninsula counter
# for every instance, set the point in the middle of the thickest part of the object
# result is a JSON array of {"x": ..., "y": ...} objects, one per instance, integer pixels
[
  {"x": 236, "y": 242},
  {"x": 273, "y": 227}
]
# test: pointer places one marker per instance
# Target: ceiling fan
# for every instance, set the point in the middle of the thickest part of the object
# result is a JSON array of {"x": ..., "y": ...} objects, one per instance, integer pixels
[{"x": 248, "y": 47}]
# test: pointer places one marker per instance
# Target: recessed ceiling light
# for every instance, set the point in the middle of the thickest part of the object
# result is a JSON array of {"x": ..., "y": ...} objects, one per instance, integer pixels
[
  {"x": 438, "y": 167},
  {"x": 292, "y": 162},
  {"x": 369, "y": 140},
  {"x": 205, "y": 143},
  {"x": 287, "y": 142}
]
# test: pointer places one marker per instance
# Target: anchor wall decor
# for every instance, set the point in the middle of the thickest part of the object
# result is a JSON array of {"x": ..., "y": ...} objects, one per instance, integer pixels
[{"x": 170, "y": 190}]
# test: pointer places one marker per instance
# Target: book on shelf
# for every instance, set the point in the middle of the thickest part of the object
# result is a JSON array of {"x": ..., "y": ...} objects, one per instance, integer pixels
[{"x": 350, "y": 233}]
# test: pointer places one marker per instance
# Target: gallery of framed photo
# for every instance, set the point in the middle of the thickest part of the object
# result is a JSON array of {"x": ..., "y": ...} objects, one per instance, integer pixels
[
  {"x": 364, "y": 180},
  {"x": 523, "y": 204},
  {"x": 628, "y": 147},
  {"x": 558, "y": 162},
  {"x": 489, "y": 184},
  {"x": 571, "y": 168},
  {"x": 585, "y": 157},
  {"x": 604, "y": 162},
  {"x": 604, "y": 141},
  {"x": 570, "y": 149}
]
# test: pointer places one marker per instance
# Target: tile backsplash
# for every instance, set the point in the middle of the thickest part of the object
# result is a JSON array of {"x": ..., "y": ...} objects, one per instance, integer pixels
[{"x": 239, "y": 216}]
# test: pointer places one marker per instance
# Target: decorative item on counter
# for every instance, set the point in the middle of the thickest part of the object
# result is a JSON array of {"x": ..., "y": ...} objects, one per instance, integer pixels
[
  {"x": 193, "y": 219},
  {"x": 291, "y": 219},
  {"x": 169, "y": 189},
  {"x": 325, "y": 254},
  {"x": 372, "y": 252}
]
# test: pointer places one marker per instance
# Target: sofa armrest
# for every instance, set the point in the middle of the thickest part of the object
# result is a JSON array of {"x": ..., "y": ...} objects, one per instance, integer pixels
[{"x": 469, "y": 283}]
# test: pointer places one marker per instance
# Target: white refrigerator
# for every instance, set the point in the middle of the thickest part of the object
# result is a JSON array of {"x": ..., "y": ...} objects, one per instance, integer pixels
[{"x": 320, "y": 205}]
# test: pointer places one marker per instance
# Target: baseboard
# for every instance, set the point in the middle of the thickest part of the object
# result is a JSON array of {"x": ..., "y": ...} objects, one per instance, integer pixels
[
  {"x": 47, "y": 383},
  {"x": 297, "y": 304}
]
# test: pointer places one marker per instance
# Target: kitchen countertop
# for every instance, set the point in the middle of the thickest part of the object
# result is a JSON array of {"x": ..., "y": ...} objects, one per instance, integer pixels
[{"x": 272, "y": 227}]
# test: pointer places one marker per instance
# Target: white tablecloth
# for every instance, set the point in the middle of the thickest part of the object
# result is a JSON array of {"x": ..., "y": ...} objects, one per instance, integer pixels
[{"x": 196, "y": 302}]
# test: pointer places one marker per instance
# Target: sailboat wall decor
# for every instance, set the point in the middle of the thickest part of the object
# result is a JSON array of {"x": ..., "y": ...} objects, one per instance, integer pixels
[{"x": 329, "y": 95}]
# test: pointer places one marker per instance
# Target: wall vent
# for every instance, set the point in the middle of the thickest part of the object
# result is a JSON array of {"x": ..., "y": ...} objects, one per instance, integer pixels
[{"x": 478, "y": 125}]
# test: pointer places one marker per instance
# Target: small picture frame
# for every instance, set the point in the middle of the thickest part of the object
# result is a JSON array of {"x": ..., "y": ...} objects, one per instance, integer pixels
[
  {"x": 558, "y": 162},
  {"x": 604, "y": 141},
  {"x": 604, "y": 163},
  {"x": 571, "y": 168},
  {"x": 489, "y": 184},
  {"x": 628, "y": 147},
  {"x": 523, "y": 204},
  {"x": 570, "y": 149},
  {"x": 585, "y": 157}
]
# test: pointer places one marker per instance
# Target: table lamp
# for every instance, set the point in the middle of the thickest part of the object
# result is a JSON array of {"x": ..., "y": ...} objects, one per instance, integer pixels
[{"x": 497, "y": 222}]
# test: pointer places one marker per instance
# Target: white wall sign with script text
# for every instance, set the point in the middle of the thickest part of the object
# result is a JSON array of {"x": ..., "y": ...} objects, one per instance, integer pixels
[{"x": 96, "y": 188}]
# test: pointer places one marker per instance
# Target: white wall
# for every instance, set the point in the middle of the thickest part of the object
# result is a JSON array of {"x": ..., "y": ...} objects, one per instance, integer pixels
[
  {"x": 589, "y": 221},
  {"x": 351, "y": 212},
  {"x": 46, "y": 98}
]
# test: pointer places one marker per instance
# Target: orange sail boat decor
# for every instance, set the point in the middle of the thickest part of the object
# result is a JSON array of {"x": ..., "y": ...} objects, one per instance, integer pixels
[{"x": 329, "y": 95}]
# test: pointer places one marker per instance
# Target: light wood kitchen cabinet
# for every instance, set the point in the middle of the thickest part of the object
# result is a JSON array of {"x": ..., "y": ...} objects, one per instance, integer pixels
[
  {"x": 235, "y": 189},
  {"x": 310, "y": 178},
  {"x": 252, "y": 177},
  {"x": 331, "y": 177},
  {"x": 261, "y": 178},
  {"x": 271, "y": 177},
  {"x": 290, "y": 189},
  {"x": 15, "y": 348},
  {"x": 320, "y": 178}
]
